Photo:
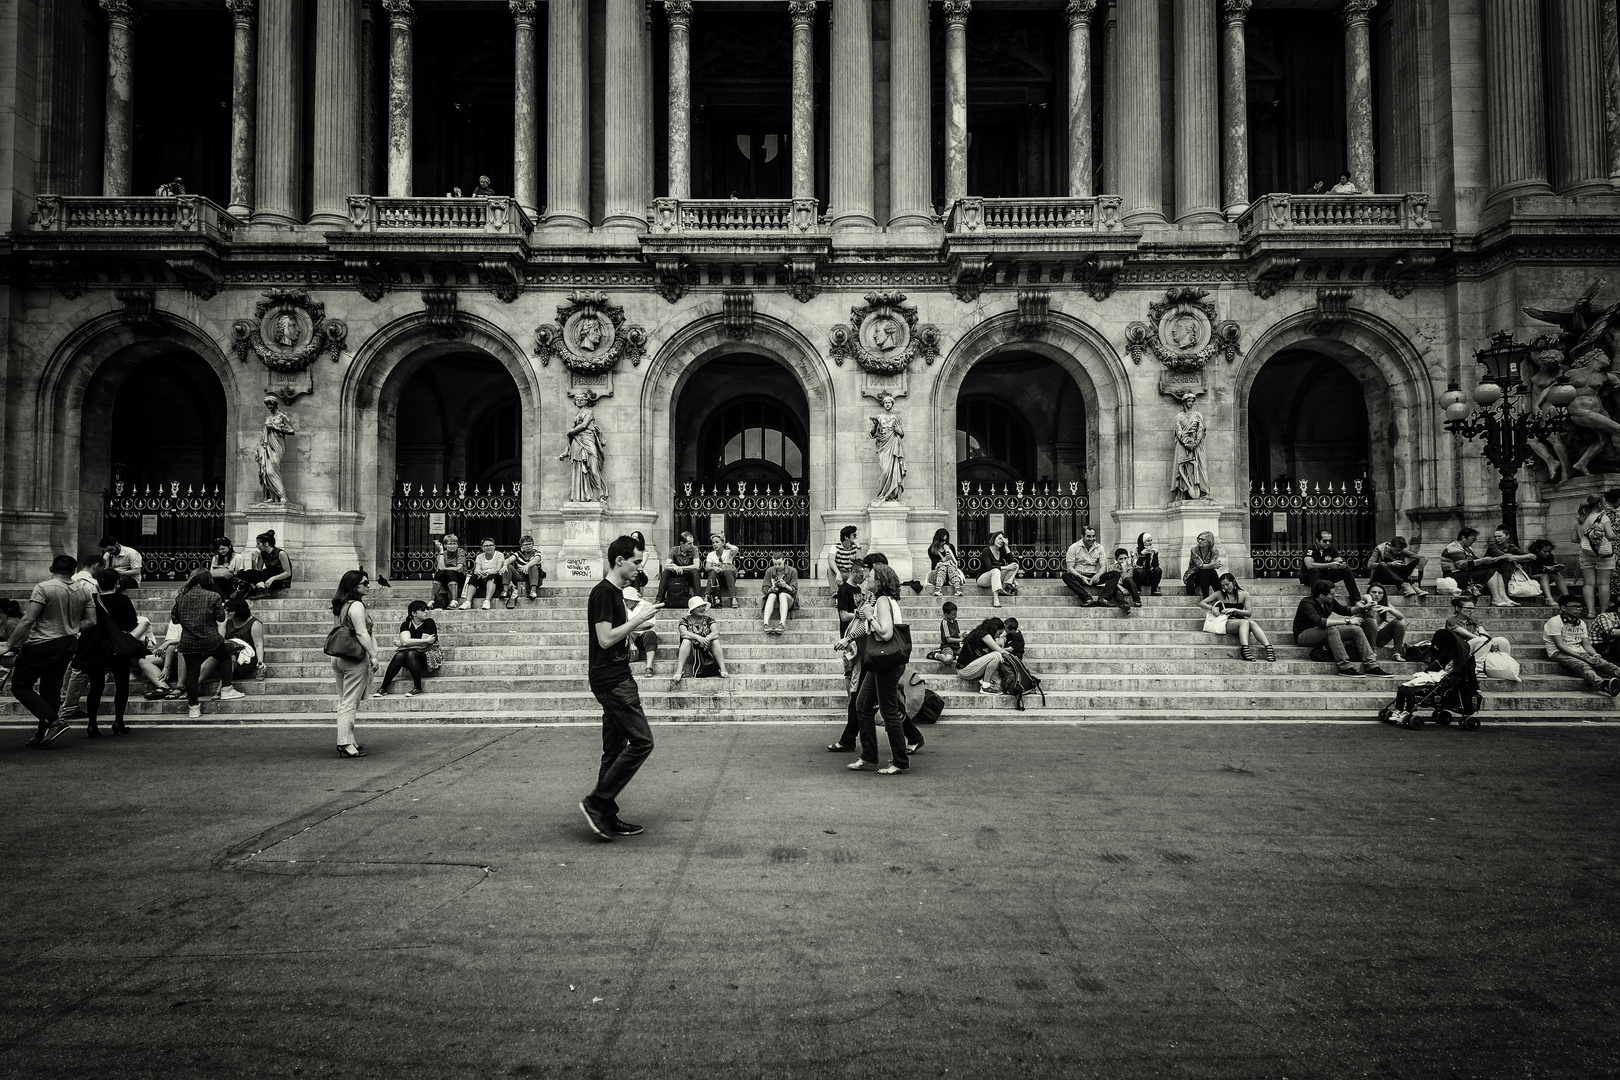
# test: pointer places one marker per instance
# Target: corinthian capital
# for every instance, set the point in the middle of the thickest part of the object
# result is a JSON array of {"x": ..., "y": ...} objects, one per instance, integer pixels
[
  {"x": 400, "y": 12},
  {"x": 956, "y": 12},
  {"x": 242, "y": 11},
  {"x": 678, "y": 11},
  {"x": 1356, "y": 11},
  {"x": 1079, "y": 11},
  {"x": 801, "y": 12},
  {"x": 524, "y": 11},
  {"x": 120, "y": 10},
  {"x": 1235, "y": 10}
]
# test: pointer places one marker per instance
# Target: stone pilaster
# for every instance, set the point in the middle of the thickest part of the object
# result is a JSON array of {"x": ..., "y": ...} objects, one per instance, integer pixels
[
  {"x": 567, "y": 151},
  {"x": 624, "y": 208},
  {"x": 1234, "y": 109},
  {"x": 401, "y": 96},
  {"x": 1358, "y": 114},
  {"x": 1110, "y": 110},
  {"x": 851, "y": 94},
  {"x": 1141, "y": 141},
  {"x": 909, "y": 180},
  {"x": 1078, "y": 14},
  {"x": 1515, "y": 99},
  {"x": 279, "y": 158},
  {"x": 1610, "y": 54},
  {"x": 956, "y": 134},
  {"x": 244, "y": 88},
  {"x": 117, "y": 147},
  {"x": 679, "y": 13},
  {"x": 1197, "y": 116},
  {"x": 525, "y": 112},
  {"x": 802, "y": 13},
  {"x": 337, "y": 111},
  {"x": 1576, "y": 30}
]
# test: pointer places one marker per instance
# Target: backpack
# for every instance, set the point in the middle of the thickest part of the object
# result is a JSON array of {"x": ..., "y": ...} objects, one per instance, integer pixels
[
  {"x": 929, "y": 712},
  {"x": 923, "y": 706},
  {"x": 1017, "y": 681}
]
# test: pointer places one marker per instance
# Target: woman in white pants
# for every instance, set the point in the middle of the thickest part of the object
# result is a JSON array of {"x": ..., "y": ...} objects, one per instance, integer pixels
[
  {"x": 353, "y": 676},
  {"x": 1001, "y": 573}
]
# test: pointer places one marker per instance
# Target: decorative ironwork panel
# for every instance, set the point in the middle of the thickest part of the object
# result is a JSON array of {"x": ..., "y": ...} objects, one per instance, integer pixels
[
  {"x": 470, "y": 511},
  {"x": 1285, "y": 518},
  {"x": 1041, "y": 520},
  {"x": 173, "y": 530},
  {"x": 763, "y": 520}
]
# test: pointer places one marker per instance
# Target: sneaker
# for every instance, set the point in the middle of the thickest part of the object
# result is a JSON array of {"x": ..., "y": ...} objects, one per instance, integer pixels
[
  {"x": 412, "y": 692},
  {"x": 194, "y": 712},
  {"x": 1612, "y": 687},
  {"x": 621, "y": 827},
  {"x": 56, "y": 731},
  {"x": 892, "y": 769},
  {"x": 36, "y": 742},
  {"x": 598, "y": 822},
  {"x": 860, "y": 763},
  {"x": 486, "y": 605},
  {"x": 991, "y": 690},
  {"x": 230, "y": 693},
  {"x": 1375, "y": 670},
  {"x": 839, "y": 748},
  {"x": 380, "y": 693},
  {"x": 913, "y": 748},
  {"x": 1399, "y": 658},
  {"x": 1349, "y": 672}
]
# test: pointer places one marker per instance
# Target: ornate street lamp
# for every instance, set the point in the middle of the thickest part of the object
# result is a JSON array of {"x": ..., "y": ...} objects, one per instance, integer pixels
[{"x": 1503, "y": 418}]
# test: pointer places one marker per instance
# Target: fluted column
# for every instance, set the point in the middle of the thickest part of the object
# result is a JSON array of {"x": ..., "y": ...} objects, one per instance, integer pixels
[
  {"x": 1358, "y": 116},
  {"x": 802, "y": 149},
  {"x": 279, "y": 155},
  {"x": 1198, "y": 151},
  {"x": 337, "y": 110},
  {"x": 1140, "y": 136},
  {"x": 622, "y": 152},
  {"x": 1234, "y": 109},
  {"x": 679, "y": 13},
  {"x": 567, "y": 152},
  {"x": 1078, "y": 13},
  {"x": 121, "y": 16},
  {"x": 525, "y": 126},
  {"x": 851, "y": 95},
  {"x": 401, "y": 96},
  {"x": 910, "y": 204},
  {"x": 1576, "y": 29},
  {"x": 1515, "y": 99},
  {"x": 1610, "y": 50},
  {"x": 956, "y": 133},
  {"x": 1110, "y": 92},
  {"x": 243, "y": 108}
]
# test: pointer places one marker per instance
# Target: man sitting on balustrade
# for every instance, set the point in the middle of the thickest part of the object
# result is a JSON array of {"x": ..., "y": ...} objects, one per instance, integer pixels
[
  {"x": 1324, "y": 563},
  {"x": 1397, "y": 563}
]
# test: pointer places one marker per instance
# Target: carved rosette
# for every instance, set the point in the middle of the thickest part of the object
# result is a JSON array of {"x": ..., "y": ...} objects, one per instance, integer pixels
[
  {"x": 883, "y": 336},
  {"x": 1183, "y": 332},
  {"x": 590, "y": 336},
  {"x": 288, "y": 332}
]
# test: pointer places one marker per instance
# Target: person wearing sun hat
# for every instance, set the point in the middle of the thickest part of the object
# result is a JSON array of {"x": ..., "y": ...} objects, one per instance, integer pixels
[{"x": 700, "y": 638}]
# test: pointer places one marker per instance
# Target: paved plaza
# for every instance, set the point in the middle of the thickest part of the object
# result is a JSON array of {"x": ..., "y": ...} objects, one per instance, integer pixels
[{"x": 1032, "y": 900}]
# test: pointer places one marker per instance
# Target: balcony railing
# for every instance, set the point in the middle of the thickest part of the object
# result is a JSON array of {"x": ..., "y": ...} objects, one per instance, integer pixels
[
  {"x": 132, "y": 213},
  {"x": 1337, "y": 213},
  {"x": 734, "y": 216},
  {"x": 973, "y": 214},
  {"x": 497, "y": 214}
]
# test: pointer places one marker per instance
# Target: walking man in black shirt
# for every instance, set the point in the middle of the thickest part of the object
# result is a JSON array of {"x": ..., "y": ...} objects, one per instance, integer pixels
[{"x": 626, "y": 738}]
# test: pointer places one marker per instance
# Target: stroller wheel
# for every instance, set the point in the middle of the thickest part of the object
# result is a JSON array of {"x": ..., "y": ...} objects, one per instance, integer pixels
[
  {"x": 1469, "y": 723},
  {"x": 1386, "y": 714},
  {"x": 1441, "y": 717},
  {"x": 1414, "y": 720}
]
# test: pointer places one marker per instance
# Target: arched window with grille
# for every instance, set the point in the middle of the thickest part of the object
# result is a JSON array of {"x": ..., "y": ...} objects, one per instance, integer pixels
[
  {"x": 993, "y": 444},
  {"x": 752, "y": 439}
]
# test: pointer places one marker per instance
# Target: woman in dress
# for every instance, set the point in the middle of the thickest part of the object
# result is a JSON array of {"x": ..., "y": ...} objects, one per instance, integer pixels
[
  {"x": 1001, "y": 569},
  {"x": 1205, "y": 564},
  {"x": 945, "y": 569},
  {"x": 353, "y": 677},
  {"x": 1190, "y": 481},
  {"x": 271, "y": 446},
  {"x": 891, "y": 453},
  {"x": 585, "y": 450},
  {"x": 1230, "y": 599}
]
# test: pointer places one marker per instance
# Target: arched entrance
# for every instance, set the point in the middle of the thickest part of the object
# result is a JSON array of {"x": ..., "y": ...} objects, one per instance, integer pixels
[
  {"x": 1021, "y": 459},
  {"x": 741, "y": 454}
]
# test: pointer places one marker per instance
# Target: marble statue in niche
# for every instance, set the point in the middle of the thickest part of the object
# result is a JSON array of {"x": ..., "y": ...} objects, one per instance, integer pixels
[
  {"x": 585, "y": 452},
  {"x": 888, "y": 437},
  {"x": 1190, "y": 481},
  {"x": 272, "y": 445}
]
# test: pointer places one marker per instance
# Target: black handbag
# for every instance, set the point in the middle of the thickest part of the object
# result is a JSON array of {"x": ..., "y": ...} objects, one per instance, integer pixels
[
  {"x": 888, "y": 655},
  {"x": 121, "y": 644},
  {"x": 341, "y": 642}
]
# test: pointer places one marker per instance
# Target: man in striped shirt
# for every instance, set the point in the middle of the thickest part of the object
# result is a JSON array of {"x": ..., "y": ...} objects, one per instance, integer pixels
[{"x": 845, "y": 557}]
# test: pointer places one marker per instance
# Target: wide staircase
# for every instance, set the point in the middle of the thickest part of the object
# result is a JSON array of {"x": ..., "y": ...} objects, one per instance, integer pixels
[{"x": 528, "y": 664}]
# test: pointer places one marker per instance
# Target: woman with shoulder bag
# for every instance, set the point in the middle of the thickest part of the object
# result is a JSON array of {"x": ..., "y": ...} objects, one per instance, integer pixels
[
  {"x": 354, "y": 656},
  {"x": 1229, "y": 605},
  {"x": 115, "y": 615},
  {"x": 883, "y": 665},
  {"x": 1596, "y": 538}
]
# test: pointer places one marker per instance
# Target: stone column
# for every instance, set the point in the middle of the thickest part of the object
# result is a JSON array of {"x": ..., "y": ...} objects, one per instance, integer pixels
[
  {"x": 1235, "y": 109},
  {"x": 525, "y": 125},
  {"x": 337, "y": 111},
  {"x": 401, "y": 96},
  {"x": 1515, "y": 100},
  {"x": 243, "y": 107},
  {"x": 1610, "y": 50},
  {"x": 803, "y": 133},
  {"x": 1110, "y": 110},
  {"x": 279, "y": 154},
  {"x": 121, "y": 16},
  {"x": 851, "y": 93},
  {"x": 679, "y": 13},
  {"x": 1358, "y": 117},
  {"x": 1198, "y": 151},
  {"x": 1576, "y": 29},
  {"x": 956, "y": 133},
  {"x": 567, "y": 151},
  {"x": 1078, "y": 12},
  {"x": 622, "y": 150},
  {"x": 1141, "y": 142},
  {"x": 910, "y": 179}
]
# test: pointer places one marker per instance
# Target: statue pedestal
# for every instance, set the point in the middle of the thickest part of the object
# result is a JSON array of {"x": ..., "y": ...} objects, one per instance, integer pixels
[
  {"x": 1183, "y": 521},
  {"x": 887, "y": 532},
  {"x": 321, "y": 543},
  {"x": 581, "y": 559}
]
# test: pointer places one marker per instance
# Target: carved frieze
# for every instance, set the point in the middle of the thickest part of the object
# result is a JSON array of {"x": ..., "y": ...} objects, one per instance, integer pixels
[
  {"x": 1183, "y": 332},
  {"x": 590, "y": 336},
  {"x": 288, "y": 332},
  {"x": 883, "y": 336}
]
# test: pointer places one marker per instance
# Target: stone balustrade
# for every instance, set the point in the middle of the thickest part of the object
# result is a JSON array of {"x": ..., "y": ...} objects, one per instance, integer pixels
[
  {"x": 734, "y": 216},
  {"x": 499, "y": 214},
  {"x": 1281, "y": 210},
  {"x": 973, "y": 214},
  {"x": 129, "y": 213}
]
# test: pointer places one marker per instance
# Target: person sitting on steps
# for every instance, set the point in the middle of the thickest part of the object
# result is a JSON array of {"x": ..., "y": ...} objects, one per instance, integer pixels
[
  {"x": 1087, "y": 572},
  {"x": 418, "y": 637},
  {"x": 1389, "y": 625},
  {"x": 1206, "y": 562},
  {"x": 1145, "y": 569},
  {"x": 720, "y": 567},
  {"x": 1231, "y": 600},
  {"x": 981, "y": 653},
  {"x": 1324, "y": 563},
  {"x": 644, "y": 640},
  {"x": 950, "y": 635},
  {"x": 1471, "y": 571},
  {"x": 1463, "y": 622},
  {"x": 1396, "y": 564},
  {"x": 1569, "y": 645},
  {"x": 1125, "y": 587},
  {"x": 945, "y": 569},
  {"x": 1014, "y": 639},
  {"x": 781, "y": 590},
  {"x": 451, "y": 570},
  {"x": 1510, "y": 557},
  {"x": 524, "y": 566},
  {"x": 1320, "y": 619},
  {"x": 699, "y": 636},
  {"x": 684, "y": 563},
  {"x": 1001, "y": 569},
  {"x": 488, "y": 573},
  {"x": 1547, "y": 570}
]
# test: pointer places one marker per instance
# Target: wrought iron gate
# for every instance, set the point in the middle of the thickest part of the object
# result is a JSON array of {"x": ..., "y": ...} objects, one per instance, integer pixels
[
  {"x": 173, "y": 532},
  {"x": 1285, "y": 518},
  {"x": 469, "y": 511},
  {"x": 763, "y": 520},
  {"x": 1041, "y": 520}
]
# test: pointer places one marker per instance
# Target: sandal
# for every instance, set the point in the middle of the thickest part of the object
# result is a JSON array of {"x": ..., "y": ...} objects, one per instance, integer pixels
[
  {"x": 1271, "y": 654},
  {"x": 1247, "y": 652}
]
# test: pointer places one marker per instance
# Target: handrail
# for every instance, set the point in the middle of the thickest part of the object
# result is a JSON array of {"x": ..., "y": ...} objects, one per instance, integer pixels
[
  {"x": 671, "y": 215},
  {"x": 1282, "y": 210},
  {"x": 166, "y": 213},
  {"x": 1094, "y": 213},
  {"x": 498, "y": 214}
]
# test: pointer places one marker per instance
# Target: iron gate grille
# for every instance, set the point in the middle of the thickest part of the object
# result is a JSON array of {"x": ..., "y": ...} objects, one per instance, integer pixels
[
  {"x": 186, "y": 526},
  {"x": 1041, "y": 520},
  {"x": 470, "y": 512},
  {"x": 1284, "y": 519},
  {"x": 763, "y": 520}
]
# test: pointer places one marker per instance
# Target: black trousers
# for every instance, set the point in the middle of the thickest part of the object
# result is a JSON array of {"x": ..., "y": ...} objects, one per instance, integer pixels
[
  {"x": 627, "y": 742},
  {"x": 119, "y": 667},
  {"x": 1342, "y": 573},
  {"x": 413, "y": 661},
  {"x": 44, "y": 663},
  {"x": 881, "y": 690}
]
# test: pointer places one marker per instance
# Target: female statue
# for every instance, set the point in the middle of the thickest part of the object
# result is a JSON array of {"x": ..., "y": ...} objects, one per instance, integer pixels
[
  {"x": 1190, "y": 481},
  {"x": 271, "y": 446},
  {"x": 585, "y": 450},
  {"x": 891, "y": 453}
]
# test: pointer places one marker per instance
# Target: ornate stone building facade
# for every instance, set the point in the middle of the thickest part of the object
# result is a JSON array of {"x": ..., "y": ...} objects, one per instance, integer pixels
[{"x": 454, "y": 239}]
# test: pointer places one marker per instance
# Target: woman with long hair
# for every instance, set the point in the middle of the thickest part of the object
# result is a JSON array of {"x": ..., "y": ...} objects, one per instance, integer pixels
[
  {"x": 1205, "y": 564},
  {"x": 1230, "y": 599},
  {"x": 353, "y": 676},
  {"x": 1001, "y": 569},
  {"x": 881, "y": 689},
  {"x": 1596, "y": 535},
  {"x": 1389, "y": 624},
  {"x": 200, "y": 611},
  {"x": 981, "y": 652},
  {"x": 945, "y": 569}
]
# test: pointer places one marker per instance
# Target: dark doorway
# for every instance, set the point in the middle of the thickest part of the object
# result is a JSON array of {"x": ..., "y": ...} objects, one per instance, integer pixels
[{"x": 182, "y": 102}]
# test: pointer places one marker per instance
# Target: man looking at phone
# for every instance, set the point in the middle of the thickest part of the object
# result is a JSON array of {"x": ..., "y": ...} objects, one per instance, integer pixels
[{"x": 626, "y": 739}]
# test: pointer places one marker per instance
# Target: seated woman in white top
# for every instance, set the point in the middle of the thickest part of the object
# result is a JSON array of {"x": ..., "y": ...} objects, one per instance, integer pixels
[{"x": 488, "y": 574}]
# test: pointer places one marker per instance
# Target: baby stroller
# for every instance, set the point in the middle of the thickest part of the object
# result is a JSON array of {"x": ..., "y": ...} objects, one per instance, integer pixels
[{"x": 1454, "y": 695}]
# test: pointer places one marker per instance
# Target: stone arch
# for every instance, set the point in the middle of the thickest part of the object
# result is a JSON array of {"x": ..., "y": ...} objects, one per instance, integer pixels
[
  {"x": 107, "y": 347},
  {"x": 382, "y": 366},
  {"x": 1101, "y": 378}
]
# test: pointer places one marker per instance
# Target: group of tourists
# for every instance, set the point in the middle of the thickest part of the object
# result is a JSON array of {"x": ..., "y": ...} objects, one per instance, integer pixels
[
  {"x": 459, "y": 575},
  {"x": 1118, "y": 579}
]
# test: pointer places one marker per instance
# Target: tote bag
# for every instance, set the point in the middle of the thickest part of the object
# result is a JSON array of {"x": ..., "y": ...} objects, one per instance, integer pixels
[
  {"x": 341, "y": 642},
  {"x": 1214, "y": 624}
]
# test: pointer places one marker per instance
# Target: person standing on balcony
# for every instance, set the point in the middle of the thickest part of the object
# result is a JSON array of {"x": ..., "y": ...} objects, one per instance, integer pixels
[
  {"x": 1345, "y": 186},
  {"x": 1324, "y": 563}
]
